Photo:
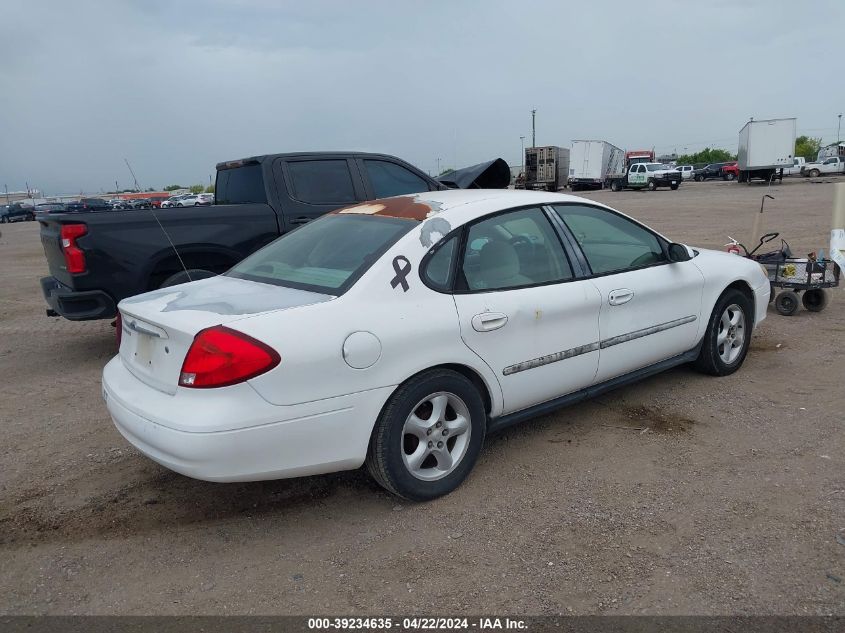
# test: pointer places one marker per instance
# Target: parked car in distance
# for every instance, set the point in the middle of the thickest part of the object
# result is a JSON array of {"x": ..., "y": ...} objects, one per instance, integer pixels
[
  {"x": 85, "y": 205},
  {"x": 50, "y": 207},
  {"x": 17, "y": 212},
  {"x": 730, "y": 171},
  {"x": 140, "y": 203},
  {"x": 713, "y": 170},
  {"x": 170, "y": 202},
  {"x": 686, "y": 171},
  {"x": 296, "y": 361},
  {"x": 832, "y": 165},
  {"x": 196, "y": 200},
  {"x": 798, "y": 163}
]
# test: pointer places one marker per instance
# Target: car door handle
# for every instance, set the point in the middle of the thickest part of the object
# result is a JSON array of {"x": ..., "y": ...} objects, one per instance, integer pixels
[
  {"x": 301, "y": 220},
  {"x": 487, "y": 321},
  {"x": 619, "y": 296}
]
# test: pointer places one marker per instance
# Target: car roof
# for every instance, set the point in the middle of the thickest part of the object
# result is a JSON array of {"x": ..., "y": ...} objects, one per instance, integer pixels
[{"x": 461, "y": 204}]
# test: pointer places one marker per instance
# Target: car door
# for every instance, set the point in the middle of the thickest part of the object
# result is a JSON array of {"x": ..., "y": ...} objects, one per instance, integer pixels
[
  {"x": 523, "y": 310},
  {"x": 636, "y": 175},
  {"x": 309, "y": 187},
  {"x": 650, "y": 307}
]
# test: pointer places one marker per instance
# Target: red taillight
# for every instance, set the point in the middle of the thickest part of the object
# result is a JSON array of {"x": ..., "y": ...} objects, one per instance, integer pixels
[
  {"x": 219, "y": 357},
  {"x": 74, "y": 257}
]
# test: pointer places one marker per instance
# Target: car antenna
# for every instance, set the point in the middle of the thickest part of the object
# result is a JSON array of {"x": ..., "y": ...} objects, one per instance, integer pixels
[{"x": 160, "y": 225}]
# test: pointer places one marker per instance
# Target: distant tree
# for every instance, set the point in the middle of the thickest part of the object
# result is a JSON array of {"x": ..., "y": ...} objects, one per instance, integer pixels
[
  {"x": 209, "y": 189},
  {"x": 150, "y": 189},
  {"x": 807, "y": 147},
  {"x": 448, "y": 170},
  {"x": 707, "y": 155},
  {"x": 173, "y": 187},
  {"x": 196, "y": 188}
]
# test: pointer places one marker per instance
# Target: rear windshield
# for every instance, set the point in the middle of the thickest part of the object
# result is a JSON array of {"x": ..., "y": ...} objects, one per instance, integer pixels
[
  {"x": 241, "y": 185},
  {"x": 327, "y": 255},
  {"x": 654, "y": 167}
]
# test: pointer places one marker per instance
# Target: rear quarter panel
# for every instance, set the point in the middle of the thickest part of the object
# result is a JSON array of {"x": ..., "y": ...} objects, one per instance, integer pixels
[{"x": 418, "y": 328}]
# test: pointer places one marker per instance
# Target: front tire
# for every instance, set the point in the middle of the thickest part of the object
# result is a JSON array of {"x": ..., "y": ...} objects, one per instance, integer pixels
[
  {"x": 729, "y": 176},
  {"x": 728, "y": 335},
  {"x": 616, "y": 186},
  {"x": 815, "y": 173},
  {"x": 428, "y": 436}
]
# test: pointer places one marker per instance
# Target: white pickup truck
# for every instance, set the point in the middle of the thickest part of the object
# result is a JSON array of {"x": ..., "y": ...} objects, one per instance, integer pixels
[
  {"x": 798, "y": 163},
  {"x": 642, "y": 175},
  {"x": 832, "y": 165}
]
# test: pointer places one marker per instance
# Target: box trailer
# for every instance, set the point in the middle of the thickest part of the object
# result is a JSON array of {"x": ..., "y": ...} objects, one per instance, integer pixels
[
  {"x": 765, "y": 148},
  {"x": 592, "y": 164},
  {"x": 546, "y": 167}
]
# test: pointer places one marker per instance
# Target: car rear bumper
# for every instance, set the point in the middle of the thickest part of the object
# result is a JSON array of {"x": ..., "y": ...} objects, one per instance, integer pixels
[
  {"x": 270, "y": 441},
  {"x": 76, "y": 305}
]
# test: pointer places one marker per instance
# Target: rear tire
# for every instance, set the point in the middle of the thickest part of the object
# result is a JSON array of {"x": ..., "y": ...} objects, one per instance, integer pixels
[
  {"x": 652, "y": 186},
  {"x": 411, "y": 453},
  {"x": 815, "y": 300},
  {"x": 786, "y": 303},
  {"x": 730, "y": 176},
  {"x": 728, "y": 335},
  {"x": 183, "y": 277},
  {"x": 616, "y": 186},
  {"x": 699, "y": 179}
]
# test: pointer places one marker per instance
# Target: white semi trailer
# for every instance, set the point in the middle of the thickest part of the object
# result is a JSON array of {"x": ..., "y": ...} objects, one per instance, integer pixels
[
  {"x": 593, "y": 164},
  {"x": 765, "y": 148}
]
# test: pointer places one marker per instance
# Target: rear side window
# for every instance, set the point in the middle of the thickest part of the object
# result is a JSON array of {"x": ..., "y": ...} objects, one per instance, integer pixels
[
  {"x": 438, "y": 270},
  {"x": 389, "y": 179},
  {"x": 241, "y": 185},
  {"x": 321, "y": 181}
]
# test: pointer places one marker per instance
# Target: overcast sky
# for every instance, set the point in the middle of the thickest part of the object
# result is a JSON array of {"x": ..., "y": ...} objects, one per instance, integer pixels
[{"x": 176, "y": 86}]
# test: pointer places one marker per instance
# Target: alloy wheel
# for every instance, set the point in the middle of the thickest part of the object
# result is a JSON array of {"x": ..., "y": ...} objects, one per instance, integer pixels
[
  {"x": 731, "y": 337},
  {"x": 435, "y": 436}
]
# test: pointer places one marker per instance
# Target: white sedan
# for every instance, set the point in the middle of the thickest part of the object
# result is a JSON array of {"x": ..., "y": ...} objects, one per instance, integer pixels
[{"x": 401, "y": 332}]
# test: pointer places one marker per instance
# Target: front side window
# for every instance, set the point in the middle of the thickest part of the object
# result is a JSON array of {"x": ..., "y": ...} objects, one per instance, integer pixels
[
  {"x": 514, "y": 249},
  {"x": 609, "y": 241},
  {"x": 326, "y": 255},
  {"x": 389, "y": 179},
  {"x": 322, "y": 181}
]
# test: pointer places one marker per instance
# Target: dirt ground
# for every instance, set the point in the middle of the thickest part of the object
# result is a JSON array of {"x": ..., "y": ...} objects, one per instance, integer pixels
[{"x": 684, "y": 494}]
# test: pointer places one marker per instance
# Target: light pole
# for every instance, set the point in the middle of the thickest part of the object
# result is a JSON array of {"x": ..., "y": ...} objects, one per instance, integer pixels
[
  {"x": 533, "y": 128},
  {"x": 522, "y": 153},
  {"x": 438, "y": 167},
  {"x": 838, "y": 128}
]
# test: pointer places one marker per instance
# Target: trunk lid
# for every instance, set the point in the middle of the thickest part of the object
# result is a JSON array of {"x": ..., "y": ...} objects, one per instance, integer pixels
[{"x": 159, "y": 327}]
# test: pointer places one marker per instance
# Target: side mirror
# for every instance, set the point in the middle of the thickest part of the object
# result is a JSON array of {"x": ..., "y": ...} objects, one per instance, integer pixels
[{"x": 678, "y": 253}]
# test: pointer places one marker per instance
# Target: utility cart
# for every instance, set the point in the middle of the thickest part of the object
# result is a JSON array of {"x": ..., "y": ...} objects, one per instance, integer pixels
[{"x": 794, "y": 275}]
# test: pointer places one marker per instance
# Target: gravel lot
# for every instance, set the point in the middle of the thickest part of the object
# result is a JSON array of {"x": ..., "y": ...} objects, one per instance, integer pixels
[{"x": 683, "y": 494}]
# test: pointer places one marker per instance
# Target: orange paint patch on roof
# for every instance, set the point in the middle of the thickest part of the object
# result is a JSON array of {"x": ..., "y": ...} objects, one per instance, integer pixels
[{"x": 406, "y": 207}]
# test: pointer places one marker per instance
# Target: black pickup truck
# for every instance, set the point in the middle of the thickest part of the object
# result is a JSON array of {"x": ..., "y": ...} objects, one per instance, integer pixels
[{"x": 97, "y": 259}]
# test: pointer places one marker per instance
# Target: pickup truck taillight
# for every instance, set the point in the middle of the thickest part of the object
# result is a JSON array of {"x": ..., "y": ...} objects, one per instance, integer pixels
[{"x": 74, "y": 257}]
